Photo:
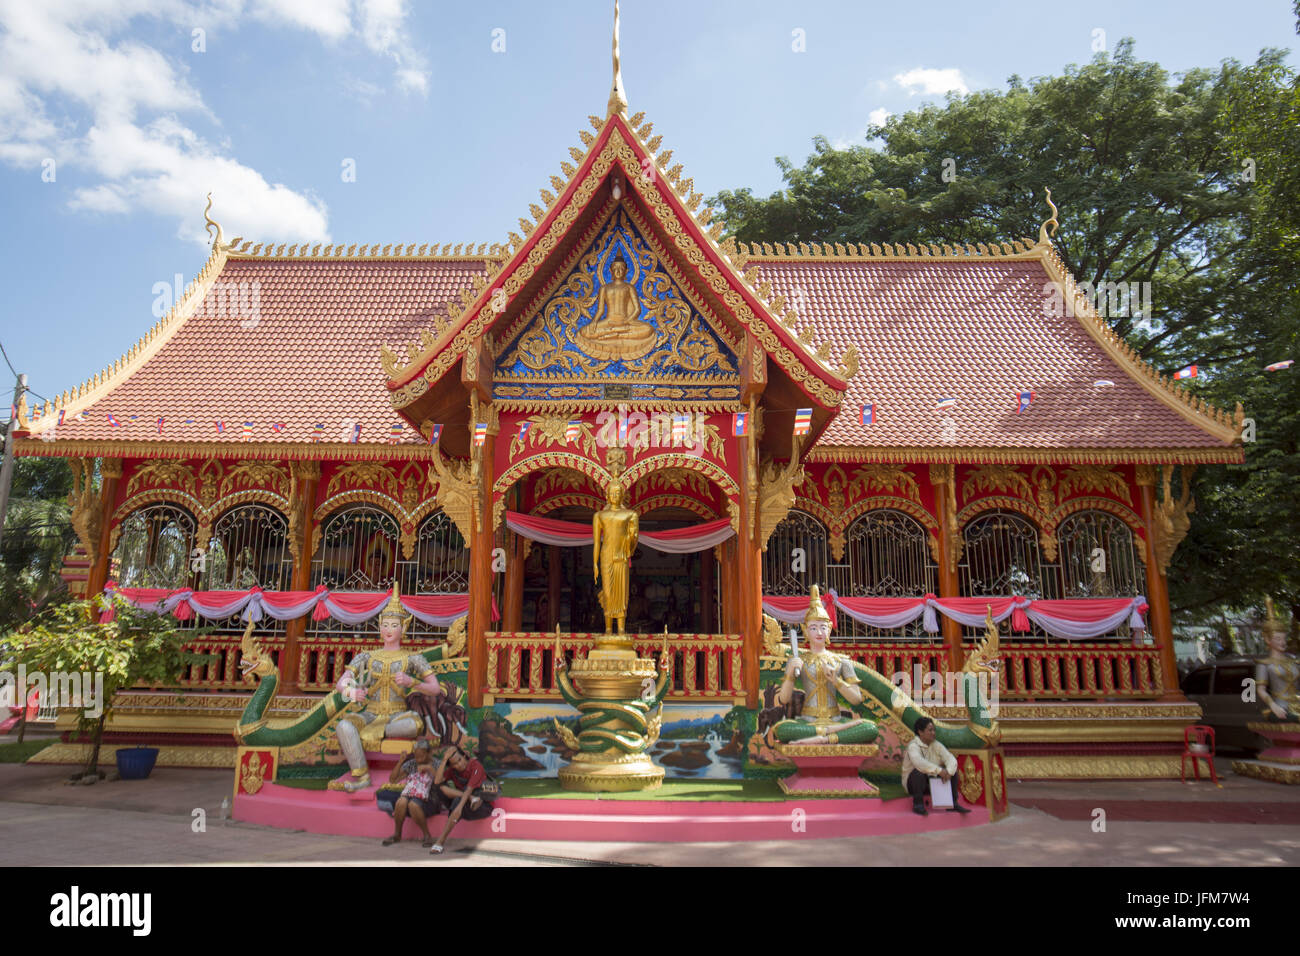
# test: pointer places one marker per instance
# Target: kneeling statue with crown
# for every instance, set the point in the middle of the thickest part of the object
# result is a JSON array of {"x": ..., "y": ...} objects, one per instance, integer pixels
[
  {"x": 825, "y": 678},
  {"x": 380, "y": 681}
]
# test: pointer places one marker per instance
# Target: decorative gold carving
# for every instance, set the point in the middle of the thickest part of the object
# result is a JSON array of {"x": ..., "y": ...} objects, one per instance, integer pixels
[
  {"x": 271, "y": 475},
  {"x": 855, "y": 454},
  {"x": 162, "y": 471},
  {"x": 364, "y": 474},
  {"x": 773, "y": 643},
  {"x": 1171, "y": 519},
  {"x": 1043, "y": 235},
  {"x": 1145, "y": 476},
  {"x": 87, "y": 512},
  {"x": 1081, "y": 478},
  {"x": 111, "y": 467},
  {"x": 776, "y": 492},
  {"x": 989, "y": 478},
  {"x": 1266, "y": 771},
  {"x": 454, "y": 480},
  {"x": 548, "y": 430},
  {"x": 884, "y": 478},
  {"x": 1079, "y": 766},
  {"x": 972, "y": 782}
]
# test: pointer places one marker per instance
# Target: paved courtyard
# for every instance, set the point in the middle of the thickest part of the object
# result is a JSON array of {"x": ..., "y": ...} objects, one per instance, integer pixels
[{"x": 150, "y": 823}]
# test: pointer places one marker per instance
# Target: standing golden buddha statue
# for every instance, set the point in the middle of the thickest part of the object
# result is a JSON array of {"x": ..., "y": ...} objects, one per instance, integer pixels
[{"x": 614, "y": 531}]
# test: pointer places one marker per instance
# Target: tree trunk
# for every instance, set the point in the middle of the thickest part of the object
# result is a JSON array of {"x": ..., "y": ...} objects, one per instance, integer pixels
[
  {"x": 22, "y": 723},
  {"x": 92, "y": 765}
]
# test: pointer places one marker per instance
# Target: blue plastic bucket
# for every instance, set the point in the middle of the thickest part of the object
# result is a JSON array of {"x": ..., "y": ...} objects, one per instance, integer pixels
[{"x": 136, "y": 763}]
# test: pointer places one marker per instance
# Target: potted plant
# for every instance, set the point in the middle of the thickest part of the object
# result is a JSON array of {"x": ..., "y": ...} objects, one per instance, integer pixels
[{"x": 133, "y": 648}]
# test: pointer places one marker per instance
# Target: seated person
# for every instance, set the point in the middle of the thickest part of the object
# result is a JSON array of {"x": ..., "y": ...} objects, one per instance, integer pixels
[
  {"x": 417, "y": 798},
  {"x": 924, "y": 758},
  {"x": 459, "y": 780}
]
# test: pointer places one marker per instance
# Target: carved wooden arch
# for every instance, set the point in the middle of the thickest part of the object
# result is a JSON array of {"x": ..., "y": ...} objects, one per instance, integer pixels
[
  {"x": 1042, "y": 523},
  {"x": 157, "y": 496},
  {"x": 889, "y": 503},
  {"x": 386, "y": 503},
  {"x": 815, "y": 508},
  {"x": 253, "y": 495},
  {"x": 574, "y": 500},
  {"x": 705, "y": 467},
  {"x": 552, "y": 459}
]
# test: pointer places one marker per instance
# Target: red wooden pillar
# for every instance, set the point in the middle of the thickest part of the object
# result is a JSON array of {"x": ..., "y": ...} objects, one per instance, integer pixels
[
  {"x": 110, "y": 470},
  {"x": 307, "y": 480},
  {"x": 513, "y": 613},
  {"x": 480, "y": 567},
  {"x": 943, "y": 478},
  {"x": 707, "y": 564},
  {"x": 1162, "y": 628},
  {"x": 749, "y": 574}
]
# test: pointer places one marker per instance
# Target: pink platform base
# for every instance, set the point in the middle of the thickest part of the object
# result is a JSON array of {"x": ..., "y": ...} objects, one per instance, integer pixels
[{"x": 609, "y": 821}]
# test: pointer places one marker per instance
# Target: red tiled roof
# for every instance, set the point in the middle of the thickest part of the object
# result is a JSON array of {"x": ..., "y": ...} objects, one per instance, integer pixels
[
  {"x": 311, "y": 356},
  {"x": 976, "y": 331}
]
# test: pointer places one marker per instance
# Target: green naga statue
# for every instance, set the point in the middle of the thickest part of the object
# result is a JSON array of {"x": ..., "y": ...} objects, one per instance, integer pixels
[{"x": 824, "y": 694}]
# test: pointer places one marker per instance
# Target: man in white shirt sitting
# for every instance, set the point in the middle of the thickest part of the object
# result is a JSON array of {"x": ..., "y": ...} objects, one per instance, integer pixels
[{"x": 925, "y": 758}]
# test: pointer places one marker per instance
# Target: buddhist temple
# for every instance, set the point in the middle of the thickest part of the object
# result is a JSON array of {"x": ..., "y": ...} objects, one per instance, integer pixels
[{"x": 933, "y": 436}]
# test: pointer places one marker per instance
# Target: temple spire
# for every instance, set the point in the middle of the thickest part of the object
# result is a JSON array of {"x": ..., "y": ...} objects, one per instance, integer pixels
[{"x": 617, "y": 97}]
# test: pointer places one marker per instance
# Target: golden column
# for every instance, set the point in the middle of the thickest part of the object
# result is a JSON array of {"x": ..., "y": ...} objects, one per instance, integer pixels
[
  {"x": 110, "y": 470},
  {"x": 1158, "y": 548},
  {"x": 481, "y": 543},
  {"x": 943, "y": 479},
  {"x": 302, "y": 508}
]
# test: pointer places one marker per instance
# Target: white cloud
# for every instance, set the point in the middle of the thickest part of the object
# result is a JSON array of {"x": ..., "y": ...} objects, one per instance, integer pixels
[
  {"x": 879, "y": 116},
  {"x": 933, "y": 82},
  {"x": 71, "y": 65}
]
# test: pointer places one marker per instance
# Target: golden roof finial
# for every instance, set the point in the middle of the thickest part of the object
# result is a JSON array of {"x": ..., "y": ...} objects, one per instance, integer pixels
[
  {"x": 617, "y": 97},
  {"x": 1043, "y": 236},
  {"x": 211, "y": 223}
]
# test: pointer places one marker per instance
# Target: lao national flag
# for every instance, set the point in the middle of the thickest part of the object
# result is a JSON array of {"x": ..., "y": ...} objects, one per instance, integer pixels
[
  {"x": 869, "y": 414},
  {"x": 480, "y": 434},
  {"x": 946, "y": 403},
  {"x": 523, "y": 429},
  {"x": 434, "y": 433},
  {"x": 62, "y": 412},
  {"x": 112, "y": 421},
  {"x": 573, "y": 430},
  {"x": 1275, "y": 367},
  {"x": 221, "y": 427},
  {"x": 356, "y": 434},
  {"x": 1189, "y": 372},
  {"x": 1025, "y": 399},
  {"x": 160, "y": 424},
  {"x": 803, "y": 421},
  {"x": 188, "y": 421},
  {"x": 740, "y": 424},
  {"x": 622, "y": 429},
  {"x": 247, "y": 431},
  {"x": 277, "y": 427},
  {"x": 317, "y": 432}
]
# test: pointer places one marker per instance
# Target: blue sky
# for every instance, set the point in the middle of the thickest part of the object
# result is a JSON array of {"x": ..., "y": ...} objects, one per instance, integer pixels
[{"x": 451, "y": 139}]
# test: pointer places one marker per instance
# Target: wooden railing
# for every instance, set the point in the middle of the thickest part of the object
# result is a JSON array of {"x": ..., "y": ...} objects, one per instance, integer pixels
[
  {"x": 899, "y": 658},
  {"x": 1038, "y": 672},
  {"x": 705, "y": 666}
]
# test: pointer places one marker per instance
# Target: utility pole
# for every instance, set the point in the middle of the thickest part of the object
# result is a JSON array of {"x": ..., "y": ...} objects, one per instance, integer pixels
[{"x": 7, "y": 470}]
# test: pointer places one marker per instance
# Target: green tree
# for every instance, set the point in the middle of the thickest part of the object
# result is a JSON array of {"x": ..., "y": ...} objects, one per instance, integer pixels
[
  {"x": 135, "y": 648},
  {"x": 37, "y": 537}
]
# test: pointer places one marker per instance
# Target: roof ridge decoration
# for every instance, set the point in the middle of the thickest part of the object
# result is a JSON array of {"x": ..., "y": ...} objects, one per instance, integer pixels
[
  {"x": 870, "y": 252},
  {"x": 489, "y": 253},
  {"x": 473, "y": 315},
  {"x": 617, "y": 95}
]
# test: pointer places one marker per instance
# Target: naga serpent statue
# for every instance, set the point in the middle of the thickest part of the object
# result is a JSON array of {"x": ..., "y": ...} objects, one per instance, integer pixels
[{"x": 254, "y": 730}]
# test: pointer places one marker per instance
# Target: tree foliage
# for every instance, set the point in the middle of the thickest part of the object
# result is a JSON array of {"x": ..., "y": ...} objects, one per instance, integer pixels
[{"x": 37, "y": 537}]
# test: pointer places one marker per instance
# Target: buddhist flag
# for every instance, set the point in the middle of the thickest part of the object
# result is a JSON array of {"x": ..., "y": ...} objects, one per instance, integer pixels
[
  {"x": 317, "y": 432},
  {"x": 480, "y": 434},
  {"x": 247, "y": 431},
  {"x": 112, "y": 420},
  {"x": 681, "y": 425},
  {"x": 221, "y": 427},
  {"x": 1278, "y": 366},
  {"x": 1025, "y": 399},
  {"x": 160, "y": 424},
  {"x": 739, "y": 424},
  {"x": 356, "y": 434},
  {"x": 946, "y": 403},
  {"x": 573, "y": 430},
  {"x": 523, "y": 429},
  {"x": 83, "y": 415},
  {"x": 803, "y": 421},
  {"x": 1189, "y": 372},
  {"x": 395, "y": 433},
  {"x": 277, "y": 427},
  {"x": 434, "y": 432},
  {"x": 869, "y": 414}
]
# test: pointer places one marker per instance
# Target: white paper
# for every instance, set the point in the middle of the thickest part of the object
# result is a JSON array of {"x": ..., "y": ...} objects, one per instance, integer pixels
[{"x": 940, "y": 792}]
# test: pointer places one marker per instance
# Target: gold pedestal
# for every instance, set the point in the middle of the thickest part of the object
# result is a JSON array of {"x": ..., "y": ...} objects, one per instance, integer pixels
[{"x": 612, "y": 675}]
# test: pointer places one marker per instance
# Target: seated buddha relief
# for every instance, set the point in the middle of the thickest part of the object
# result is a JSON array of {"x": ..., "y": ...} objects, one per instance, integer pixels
[{"x": 617, "y": 330}]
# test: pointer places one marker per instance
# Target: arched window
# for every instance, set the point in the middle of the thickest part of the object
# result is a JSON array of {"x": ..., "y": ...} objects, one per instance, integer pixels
[
  {"x": 441, "y": 558},
  {"x": 1001, "y": 557},
  {"x": 787, "y": 572},
  {"x": 249, "y": 547},
  {"x": 1097, "y": 556},
  {"x": 154, "y": 548},
  {"x": 889, "y": 556},
  {"x": 358, "y": 550}
]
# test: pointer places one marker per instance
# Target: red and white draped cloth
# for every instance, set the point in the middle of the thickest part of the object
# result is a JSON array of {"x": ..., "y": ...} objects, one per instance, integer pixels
[
  {"x": 1078, "y": 619},
  {"x": 571, "y": 534},
  {"x": 347, "y": 607}
]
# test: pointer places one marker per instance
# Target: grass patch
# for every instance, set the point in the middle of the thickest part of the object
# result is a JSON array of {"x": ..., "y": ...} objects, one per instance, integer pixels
[{"x": 20, "y": 753}]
